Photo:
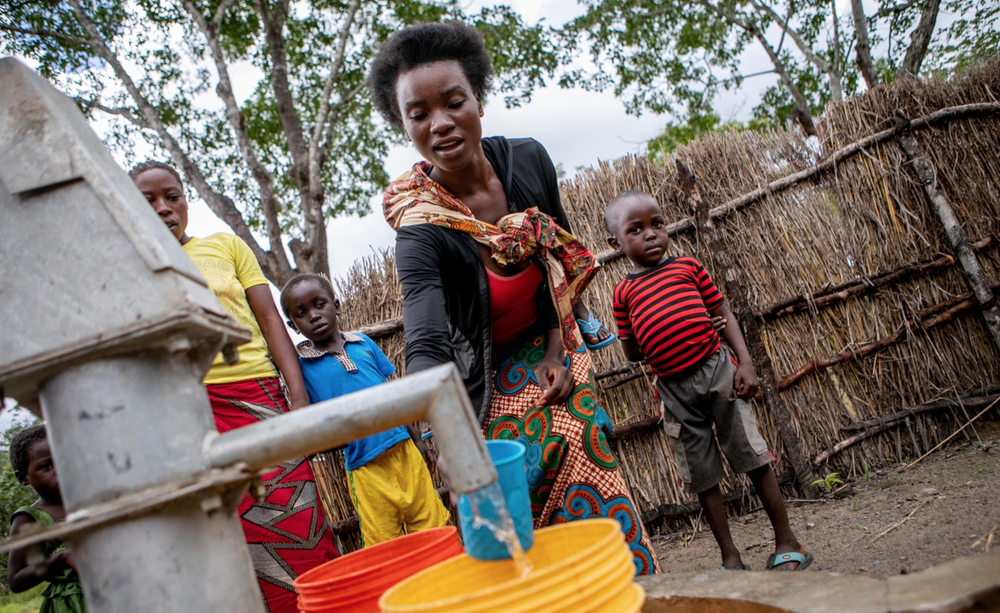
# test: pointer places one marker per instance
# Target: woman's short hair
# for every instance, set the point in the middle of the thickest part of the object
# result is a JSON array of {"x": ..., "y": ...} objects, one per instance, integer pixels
[{"x": 423, "y": 44}]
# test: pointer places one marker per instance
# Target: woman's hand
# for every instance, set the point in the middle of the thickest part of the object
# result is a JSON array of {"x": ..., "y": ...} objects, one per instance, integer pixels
[{"x": 555, "y": 381}]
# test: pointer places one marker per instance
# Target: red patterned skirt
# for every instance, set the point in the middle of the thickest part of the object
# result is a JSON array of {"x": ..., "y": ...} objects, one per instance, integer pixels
[
  {"x": 571, "y": 472},
  {"x": 286, "y": 532}
]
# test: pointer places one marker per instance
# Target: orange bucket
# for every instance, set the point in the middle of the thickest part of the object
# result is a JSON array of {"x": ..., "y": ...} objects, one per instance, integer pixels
[{"x": 354, "y": 583}]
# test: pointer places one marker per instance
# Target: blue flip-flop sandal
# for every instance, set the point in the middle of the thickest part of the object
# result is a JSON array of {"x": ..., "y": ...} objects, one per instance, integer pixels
[
  {"x": 592, "y": 326},
  {"x": 791, "y": 556}
]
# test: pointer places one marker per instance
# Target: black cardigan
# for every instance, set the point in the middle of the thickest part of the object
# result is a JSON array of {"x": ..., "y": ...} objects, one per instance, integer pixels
[{"x": 446, "y": 294}]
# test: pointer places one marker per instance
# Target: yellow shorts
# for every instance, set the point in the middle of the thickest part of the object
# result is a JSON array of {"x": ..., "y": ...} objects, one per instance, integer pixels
[{"x": 393, "y": 495}]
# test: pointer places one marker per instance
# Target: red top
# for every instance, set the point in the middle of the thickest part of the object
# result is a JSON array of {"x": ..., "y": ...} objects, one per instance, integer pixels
[
  {"x": 512, "y": 303},
  {"x": 665, "y": 309}
]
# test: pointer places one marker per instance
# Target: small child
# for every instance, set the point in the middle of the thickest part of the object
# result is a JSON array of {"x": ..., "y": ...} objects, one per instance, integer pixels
[
  {"x": 664, "y": 310},
  {"x": 31, "y": 460},
  {"x": 390, "y": 485}
]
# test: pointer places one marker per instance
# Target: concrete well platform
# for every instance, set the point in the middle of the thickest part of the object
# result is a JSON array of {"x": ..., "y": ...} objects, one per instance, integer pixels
[{"x": 969, "y": 585}]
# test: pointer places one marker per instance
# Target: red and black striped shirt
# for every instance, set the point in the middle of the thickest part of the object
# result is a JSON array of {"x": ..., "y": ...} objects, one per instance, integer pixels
[{"x": 665, "y": 309}]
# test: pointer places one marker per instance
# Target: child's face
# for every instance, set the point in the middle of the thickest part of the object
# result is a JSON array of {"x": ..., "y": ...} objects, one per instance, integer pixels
[
  {"x": 313, "y": 311},
  {"x": 166, "y": 195},
  {"x": 41, "y": 472},
  {"x": 641, "y": 231}
]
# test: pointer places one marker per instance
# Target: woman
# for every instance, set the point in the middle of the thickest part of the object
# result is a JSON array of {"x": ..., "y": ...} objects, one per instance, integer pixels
[
  {"x": 481, "y": 233},
  {"x": 286, "y": 531}
]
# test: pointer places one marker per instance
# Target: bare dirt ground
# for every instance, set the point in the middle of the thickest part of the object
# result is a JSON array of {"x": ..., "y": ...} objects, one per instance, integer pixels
[{"x": 894, "y": 522}]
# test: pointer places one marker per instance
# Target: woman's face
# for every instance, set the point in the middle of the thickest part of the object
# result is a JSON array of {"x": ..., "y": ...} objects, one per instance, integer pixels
[
  {"x": 441, "y": 114},
  {"x": 166, "y": 195}
]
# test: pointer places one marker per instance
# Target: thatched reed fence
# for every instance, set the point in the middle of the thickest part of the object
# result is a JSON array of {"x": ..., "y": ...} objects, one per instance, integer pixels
[{"x": 871, "y": 313}]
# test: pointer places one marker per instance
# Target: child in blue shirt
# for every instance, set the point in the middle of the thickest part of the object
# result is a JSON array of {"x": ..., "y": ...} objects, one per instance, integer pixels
[{"x": 390, "y": 485}]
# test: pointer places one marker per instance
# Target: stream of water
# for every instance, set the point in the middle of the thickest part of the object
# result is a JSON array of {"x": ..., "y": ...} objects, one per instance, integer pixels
[{"x": 499, "y": 523}]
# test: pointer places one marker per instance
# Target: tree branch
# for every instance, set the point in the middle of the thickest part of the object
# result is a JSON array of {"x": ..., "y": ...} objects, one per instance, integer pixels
[
  {"x": 220, "y": 13},
  {"x": 672, "y": 9},
  {"x": 865, "y": 285},
  {"x": 220, "y": 205},
  {"x": 864, "y": 47},
  {"x": 781, "y": 41},
  {"x": 268, "y": 199},
  {"x": 335, "y": 118},
  {"x": 836, "y": 42},
  {"x": 899, "y": 8},
  {"x": 928, "y": 318},
  {"x": 804, "y": 115},
  {"x": 831, "y": 70},
  {"x": 122, "y": 111},
  {"x": 919, "y": 40},
  {"x": 324, "y": 103},
  {"x": 311, "y": 254},
  {"x": 274, "y": 25},
  {"x": 46, "y": 34},
  {"x": 315, "y": 230}
]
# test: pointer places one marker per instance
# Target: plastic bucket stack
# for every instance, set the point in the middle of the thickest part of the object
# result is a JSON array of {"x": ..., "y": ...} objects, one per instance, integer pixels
[
  {"x": 583, "y": 566},
  {"x": 354, "y": 583}
]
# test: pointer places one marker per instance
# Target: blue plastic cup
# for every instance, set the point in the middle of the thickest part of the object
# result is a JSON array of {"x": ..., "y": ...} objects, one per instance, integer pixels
[{"x": 480, "y": 543}]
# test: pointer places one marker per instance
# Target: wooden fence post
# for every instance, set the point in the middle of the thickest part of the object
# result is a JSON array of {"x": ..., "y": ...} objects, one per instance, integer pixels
[
  {"x": 751, "y": 331},
  {"x": 927, "y": 175}
]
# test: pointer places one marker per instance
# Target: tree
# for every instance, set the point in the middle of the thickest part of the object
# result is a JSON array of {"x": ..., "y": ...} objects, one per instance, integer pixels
[
  {"x": 676, "y": 55},
  {"x": 971, "y": 37},
  {"x": 672, "y": 53},
  {"x": 302, "y": 147},
  {"x": 675, "y": 135}
]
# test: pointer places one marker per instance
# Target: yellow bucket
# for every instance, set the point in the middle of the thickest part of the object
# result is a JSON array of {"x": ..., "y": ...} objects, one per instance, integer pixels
[{"x": 581, "y": 566}]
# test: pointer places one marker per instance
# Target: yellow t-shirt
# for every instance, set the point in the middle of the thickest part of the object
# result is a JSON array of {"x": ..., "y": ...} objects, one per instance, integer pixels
[{"x": 230, "y": 269}]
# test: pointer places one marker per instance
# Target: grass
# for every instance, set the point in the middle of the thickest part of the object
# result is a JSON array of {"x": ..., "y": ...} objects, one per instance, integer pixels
[
  {"x": 981, "y": 469},
  {"x": 890, "y": 481},
  {"x": 25, "y": 602}
]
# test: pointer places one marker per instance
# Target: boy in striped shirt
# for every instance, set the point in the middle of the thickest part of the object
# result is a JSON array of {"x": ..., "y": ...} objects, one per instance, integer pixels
[{"x": 664, "y": 310}]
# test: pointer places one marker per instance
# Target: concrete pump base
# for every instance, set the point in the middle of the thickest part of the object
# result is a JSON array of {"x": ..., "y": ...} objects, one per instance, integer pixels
[{"x": 969, "y": 584}]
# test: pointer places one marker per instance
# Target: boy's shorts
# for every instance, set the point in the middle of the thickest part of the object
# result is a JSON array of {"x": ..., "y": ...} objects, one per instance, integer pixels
[
  {"x": 394, "y": 492},
  {"x": 692, "y": 404}
]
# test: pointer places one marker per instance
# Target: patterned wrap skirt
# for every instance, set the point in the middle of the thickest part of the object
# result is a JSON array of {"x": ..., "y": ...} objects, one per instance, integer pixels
[
  {"x": 286, "y": 532},
  {"x": 571, "y": 472}
]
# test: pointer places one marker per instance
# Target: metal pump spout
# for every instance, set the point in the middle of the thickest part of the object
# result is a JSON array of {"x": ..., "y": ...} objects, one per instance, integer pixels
[
  {"x": 109, "y": 327},
  {"x": 436, "y": 395}
]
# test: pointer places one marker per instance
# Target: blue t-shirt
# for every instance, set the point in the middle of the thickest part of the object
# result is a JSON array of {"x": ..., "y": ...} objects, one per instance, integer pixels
[{"x": 329, "y": 375}]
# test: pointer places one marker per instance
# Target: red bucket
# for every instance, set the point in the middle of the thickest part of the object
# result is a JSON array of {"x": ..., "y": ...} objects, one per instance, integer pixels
[{"x": 354, "y": 583}]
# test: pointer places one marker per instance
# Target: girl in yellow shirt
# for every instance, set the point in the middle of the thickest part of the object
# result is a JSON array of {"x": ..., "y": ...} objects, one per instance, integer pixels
[{"x": 250, "y": 391}]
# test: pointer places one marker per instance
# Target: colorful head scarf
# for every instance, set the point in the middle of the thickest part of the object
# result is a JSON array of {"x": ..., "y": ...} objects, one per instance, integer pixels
[{"x": 414, "y": 198}]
